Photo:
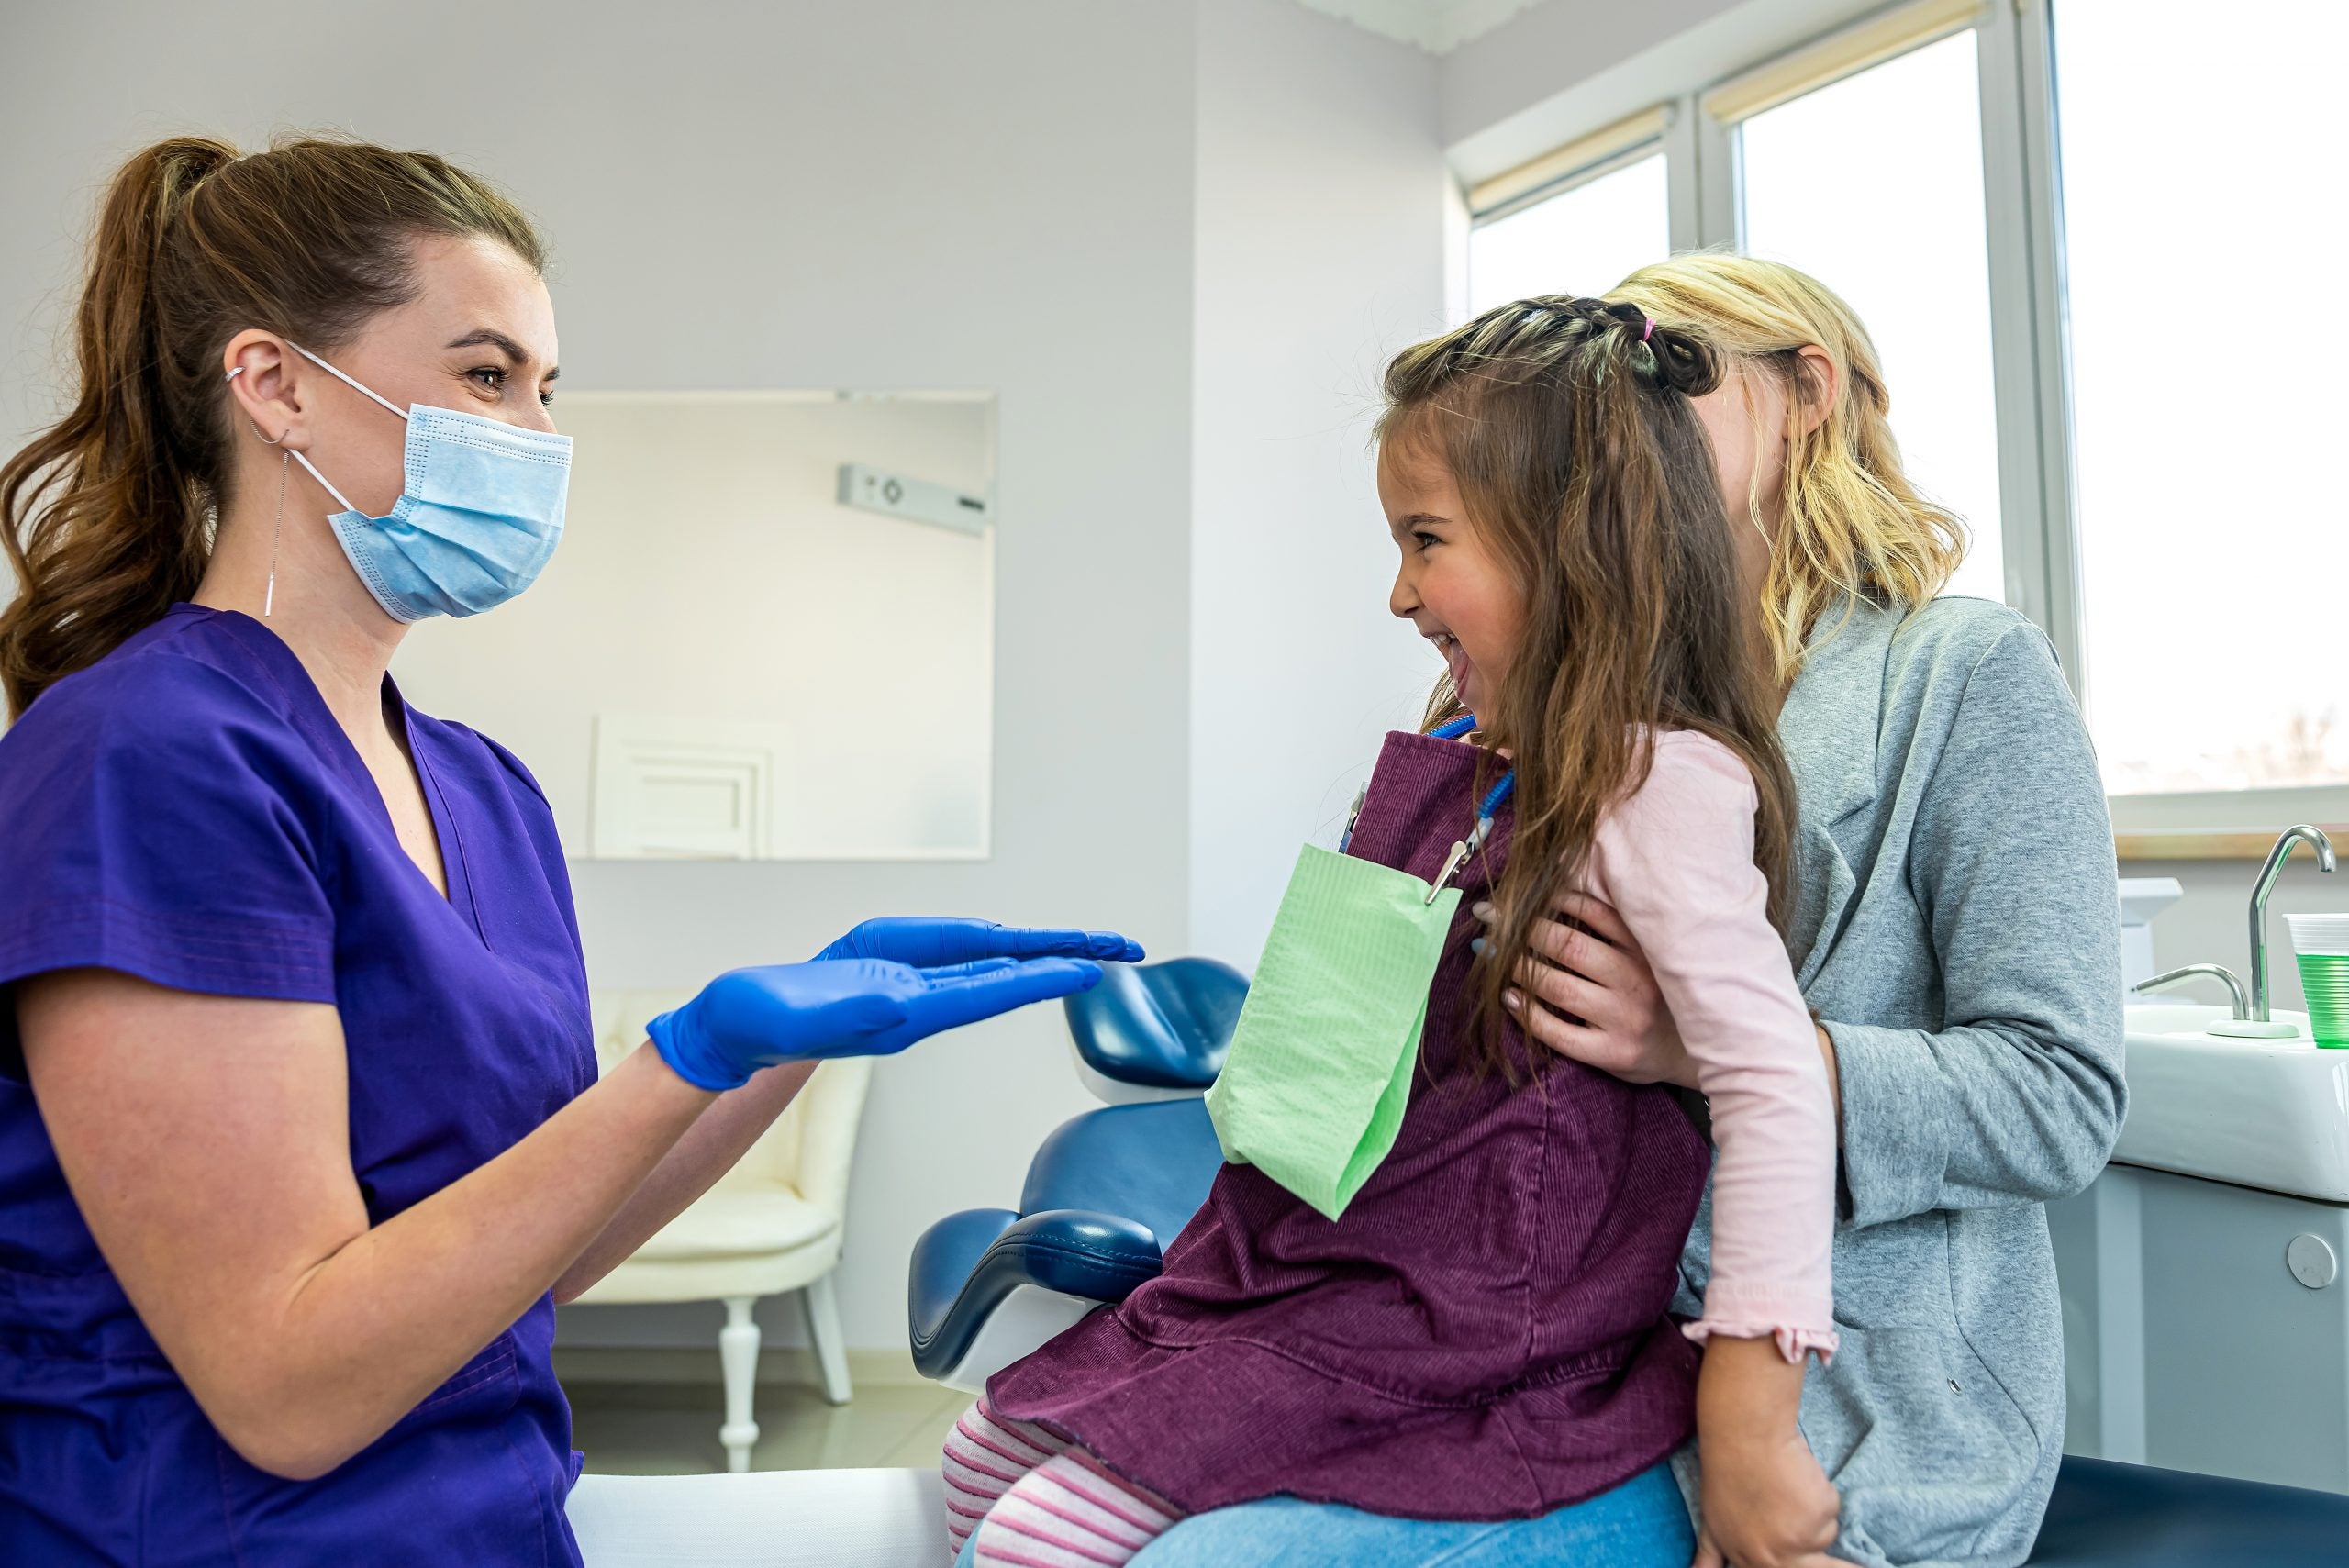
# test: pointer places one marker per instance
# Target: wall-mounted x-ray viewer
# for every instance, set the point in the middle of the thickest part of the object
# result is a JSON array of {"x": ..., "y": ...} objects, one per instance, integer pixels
[
  {"x": 724, "y": 661},
  {"x": 897, "y": 495}
]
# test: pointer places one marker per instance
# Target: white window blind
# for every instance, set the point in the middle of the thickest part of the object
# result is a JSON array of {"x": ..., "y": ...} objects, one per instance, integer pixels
[
  {"x": 1609, "y": 145},
  {"x": 1839, "y": 54}
]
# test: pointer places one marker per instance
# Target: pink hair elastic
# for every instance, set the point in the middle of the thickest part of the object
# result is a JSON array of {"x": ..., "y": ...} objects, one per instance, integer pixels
[{"x": 1649, "y": 328}]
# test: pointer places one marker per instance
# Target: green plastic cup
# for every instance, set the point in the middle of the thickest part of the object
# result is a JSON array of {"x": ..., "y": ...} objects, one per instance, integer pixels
[
  {"x": 2322, "y": 944},
  {"x": 2324, "y": 981}
]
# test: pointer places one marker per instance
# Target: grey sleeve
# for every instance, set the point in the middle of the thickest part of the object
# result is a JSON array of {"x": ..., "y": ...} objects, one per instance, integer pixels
[{"x": 2019, "y": 1096}]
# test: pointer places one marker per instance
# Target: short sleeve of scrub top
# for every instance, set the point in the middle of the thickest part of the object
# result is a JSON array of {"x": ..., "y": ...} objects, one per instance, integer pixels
[
  {"x": 159, "y": 826},
  {"x": 188, "y": 811}
]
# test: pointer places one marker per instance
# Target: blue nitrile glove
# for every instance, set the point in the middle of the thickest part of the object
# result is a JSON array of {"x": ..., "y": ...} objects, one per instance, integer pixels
[
  {"x": 751, "y": 1019},
  {"x": 926, "y": 941}
]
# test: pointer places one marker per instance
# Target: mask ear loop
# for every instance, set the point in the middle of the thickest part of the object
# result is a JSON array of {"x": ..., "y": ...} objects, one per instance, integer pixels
[{"x": 277, "y": 529}]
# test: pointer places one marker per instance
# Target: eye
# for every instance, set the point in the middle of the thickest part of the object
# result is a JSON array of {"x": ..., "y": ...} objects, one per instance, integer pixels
[
  {"x": 491, "y": 376},
  {"x": 546, "y": 397},
  {"x": 1425, "y": 539}
]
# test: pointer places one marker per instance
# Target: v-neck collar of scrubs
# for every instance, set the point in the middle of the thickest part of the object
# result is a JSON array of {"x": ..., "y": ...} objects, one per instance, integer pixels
[{"x": 316, "y": 721}]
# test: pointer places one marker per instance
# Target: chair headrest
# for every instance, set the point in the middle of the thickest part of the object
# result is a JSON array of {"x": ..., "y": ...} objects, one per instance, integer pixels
[{"x": 1165, "y": 1026}]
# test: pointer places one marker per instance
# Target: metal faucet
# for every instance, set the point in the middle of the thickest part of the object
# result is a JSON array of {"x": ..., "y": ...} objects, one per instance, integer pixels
[
  {"x": 2241, "y": 1002},
  {"x": 2302, "y": 834}
]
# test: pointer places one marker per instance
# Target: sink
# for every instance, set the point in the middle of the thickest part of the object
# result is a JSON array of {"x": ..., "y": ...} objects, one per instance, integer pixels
[{"x": 2272, "y": 1114}]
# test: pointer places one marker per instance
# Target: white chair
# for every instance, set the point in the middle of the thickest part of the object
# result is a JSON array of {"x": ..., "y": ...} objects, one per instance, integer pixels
[{"x": 772, "y": 1224}]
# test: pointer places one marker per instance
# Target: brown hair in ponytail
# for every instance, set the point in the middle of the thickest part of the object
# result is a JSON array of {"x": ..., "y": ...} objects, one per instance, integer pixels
[
  {"x": 107, "y": 516},
  {"x": 1567, "y": 425}
]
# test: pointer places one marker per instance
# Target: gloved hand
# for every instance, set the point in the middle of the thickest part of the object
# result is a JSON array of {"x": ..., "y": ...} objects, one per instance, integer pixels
[
  {"x": 751, "y": 1019},
  {"x": 926, "y": 941}
]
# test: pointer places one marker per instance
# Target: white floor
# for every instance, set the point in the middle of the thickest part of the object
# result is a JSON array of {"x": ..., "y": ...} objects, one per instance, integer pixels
[{"x": 671, "y": 1429}]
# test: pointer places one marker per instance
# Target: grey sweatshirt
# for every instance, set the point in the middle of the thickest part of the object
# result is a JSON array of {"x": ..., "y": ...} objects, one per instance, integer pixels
[{"x": 1957, "y": 932}]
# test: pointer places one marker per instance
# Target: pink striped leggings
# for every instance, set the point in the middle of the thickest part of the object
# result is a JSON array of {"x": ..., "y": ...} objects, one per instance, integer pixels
[{"x": 1039, "y": 1501}]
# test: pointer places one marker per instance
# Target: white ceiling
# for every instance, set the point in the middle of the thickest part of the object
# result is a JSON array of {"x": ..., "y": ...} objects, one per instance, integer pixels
[{"x": 1438, "y": 27}]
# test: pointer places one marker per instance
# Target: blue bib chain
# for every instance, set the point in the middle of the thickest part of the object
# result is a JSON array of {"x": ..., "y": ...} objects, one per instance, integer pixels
[{"x": 1486, "y": 808}]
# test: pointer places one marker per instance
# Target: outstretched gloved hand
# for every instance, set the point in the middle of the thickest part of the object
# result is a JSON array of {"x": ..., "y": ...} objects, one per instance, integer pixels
[
  {"x": 925, "y": 942},
  {"x": 875, "y": 992}
]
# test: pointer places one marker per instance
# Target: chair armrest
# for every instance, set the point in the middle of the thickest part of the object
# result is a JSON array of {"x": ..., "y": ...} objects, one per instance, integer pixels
[{"x": 968, "y": 1264}]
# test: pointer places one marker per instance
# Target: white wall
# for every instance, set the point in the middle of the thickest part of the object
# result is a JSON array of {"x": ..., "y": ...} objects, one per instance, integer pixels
[
  {"x": 1321, "y": 196},
  {"x": 711, "y": 582},
  {"x": 922, "y": 194}
]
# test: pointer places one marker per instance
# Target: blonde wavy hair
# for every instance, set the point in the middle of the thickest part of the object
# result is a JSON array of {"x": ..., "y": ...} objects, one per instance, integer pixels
[{"x": 1850, "y": 523}]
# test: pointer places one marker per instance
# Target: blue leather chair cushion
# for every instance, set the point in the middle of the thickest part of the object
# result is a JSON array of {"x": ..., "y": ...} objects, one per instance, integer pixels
[
  {"x": 1152, "y": 1163},
  {"x": 967, "y": 1263},
  {"x": 2131, "y": 1516},
  {"x": 1166, "y": 1026}
]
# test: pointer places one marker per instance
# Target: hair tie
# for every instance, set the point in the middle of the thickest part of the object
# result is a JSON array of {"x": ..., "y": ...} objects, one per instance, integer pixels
[{"x": 1648, "y": 329}]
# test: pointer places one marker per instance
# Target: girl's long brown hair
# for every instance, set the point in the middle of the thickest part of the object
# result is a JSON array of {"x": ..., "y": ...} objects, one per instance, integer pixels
[
  {"x": 1566, "y": 424},
  {"x": 107, "y": 516}
]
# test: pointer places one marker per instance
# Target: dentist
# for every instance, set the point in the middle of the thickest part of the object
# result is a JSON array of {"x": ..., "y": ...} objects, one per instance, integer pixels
[{"x": 301, "y": 1138}]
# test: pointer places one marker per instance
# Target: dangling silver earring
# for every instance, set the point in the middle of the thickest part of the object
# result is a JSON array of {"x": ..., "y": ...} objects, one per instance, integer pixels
[
  {"x": 269, "y": 595},
  {"x": 277, "y": 529},
  {"x": 254, "y": 423}
]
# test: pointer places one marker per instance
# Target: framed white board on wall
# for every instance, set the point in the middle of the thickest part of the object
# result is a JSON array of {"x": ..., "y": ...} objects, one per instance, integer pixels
[{"x": 722, "y": 661}]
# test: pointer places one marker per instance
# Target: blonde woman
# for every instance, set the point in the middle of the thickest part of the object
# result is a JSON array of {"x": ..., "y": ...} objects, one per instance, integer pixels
[{"x": 1955, "y": 935}]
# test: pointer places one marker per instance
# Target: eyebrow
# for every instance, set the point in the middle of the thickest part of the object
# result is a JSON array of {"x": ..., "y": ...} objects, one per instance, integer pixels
[
  {"x": 505, "y": 345},
  {"x": 1415, "y": 520}
]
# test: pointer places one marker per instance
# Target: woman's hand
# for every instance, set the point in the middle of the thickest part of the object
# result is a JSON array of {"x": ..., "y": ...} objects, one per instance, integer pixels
[
  {"x": 927, "y": 941},
  {"x": 1593, "y": 997},
  {"x": 875, "y": 991},
  {"x": 758, "y": 1017}
]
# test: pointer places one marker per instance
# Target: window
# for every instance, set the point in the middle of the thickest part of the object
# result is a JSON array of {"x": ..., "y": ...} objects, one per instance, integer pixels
[
  {"x": 1872, "y": 185},
  {"x": 2091, "y": 240},
  {"x": 1582, "y": 241},
  {"x": 2202, "y": 212}
]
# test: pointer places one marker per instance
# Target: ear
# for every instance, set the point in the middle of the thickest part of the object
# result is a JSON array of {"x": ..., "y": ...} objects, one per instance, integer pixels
[
  {"x": 1818, "y": 383},
  {"x": 264, "y": 377}
]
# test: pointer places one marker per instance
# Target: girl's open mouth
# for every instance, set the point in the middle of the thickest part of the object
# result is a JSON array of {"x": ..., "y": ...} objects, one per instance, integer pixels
[{"x": 1455, "y": 658}]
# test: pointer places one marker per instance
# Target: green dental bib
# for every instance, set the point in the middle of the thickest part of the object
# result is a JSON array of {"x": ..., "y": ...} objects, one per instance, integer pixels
[{"x": 1318, "y": 1074}]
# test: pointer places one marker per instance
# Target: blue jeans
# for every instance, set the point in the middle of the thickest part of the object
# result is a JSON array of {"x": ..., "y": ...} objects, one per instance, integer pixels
[{"x": 1641, "y": 1524}]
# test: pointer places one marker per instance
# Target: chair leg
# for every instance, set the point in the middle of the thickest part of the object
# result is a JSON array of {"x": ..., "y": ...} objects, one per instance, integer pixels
[
  {"x": 824, "y": 1337},
  {"x": 737, "y": 1354}
]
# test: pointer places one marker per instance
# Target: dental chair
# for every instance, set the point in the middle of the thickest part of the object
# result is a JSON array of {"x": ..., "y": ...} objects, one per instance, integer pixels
[
  {"x": 1110, "y": 1187},
  {"x": 1105, "y": 1191}
]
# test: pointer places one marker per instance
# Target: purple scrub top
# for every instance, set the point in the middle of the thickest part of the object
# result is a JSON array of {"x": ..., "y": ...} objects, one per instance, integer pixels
[{"x": 186, "y": 810}]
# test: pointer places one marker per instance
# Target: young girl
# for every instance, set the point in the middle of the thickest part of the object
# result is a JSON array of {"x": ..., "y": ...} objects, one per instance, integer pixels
[{"x": 1483, "y": 1336}]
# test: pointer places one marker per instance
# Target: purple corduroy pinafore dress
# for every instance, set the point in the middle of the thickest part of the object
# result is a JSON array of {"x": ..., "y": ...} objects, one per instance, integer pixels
[{"x": 1483, "y": 1336}]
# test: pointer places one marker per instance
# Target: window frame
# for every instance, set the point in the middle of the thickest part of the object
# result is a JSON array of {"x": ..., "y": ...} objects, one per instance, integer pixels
[
  {"x": 1606, "y": 150},
  {"x": 2022, "y": 195}
]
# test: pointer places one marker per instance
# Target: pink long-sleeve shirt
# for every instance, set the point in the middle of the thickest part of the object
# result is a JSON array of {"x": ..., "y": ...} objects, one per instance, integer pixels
[{"x": 1675, "y": 860}]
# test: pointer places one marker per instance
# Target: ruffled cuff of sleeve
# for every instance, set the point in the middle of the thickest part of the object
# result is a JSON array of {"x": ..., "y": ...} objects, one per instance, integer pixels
[
  {"x": 1793, "y": 1343},
  {"x": 1779, "y": 1312}
]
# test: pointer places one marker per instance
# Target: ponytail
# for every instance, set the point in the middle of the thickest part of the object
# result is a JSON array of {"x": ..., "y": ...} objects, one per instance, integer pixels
[
  {"x": 103, "y": 517},
  {"x": 107, "y": 516}
]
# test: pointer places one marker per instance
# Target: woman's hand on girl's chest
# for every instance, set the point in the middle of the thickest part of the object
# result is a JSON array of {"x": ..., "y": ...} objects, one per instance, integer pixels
[{"x": 1584, "y": 990}]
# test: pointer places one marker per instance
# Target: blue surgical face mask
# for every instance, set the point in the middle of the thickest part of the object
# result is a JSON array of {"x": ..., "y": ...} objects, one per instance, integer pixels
[{"x": 479, "y": 515}]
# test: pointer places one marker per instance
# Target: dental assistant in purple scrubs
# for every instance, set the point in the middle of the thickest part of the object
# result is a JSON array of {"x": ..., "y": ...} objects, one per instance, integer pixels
[{"x": 301, "y": 1138}]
